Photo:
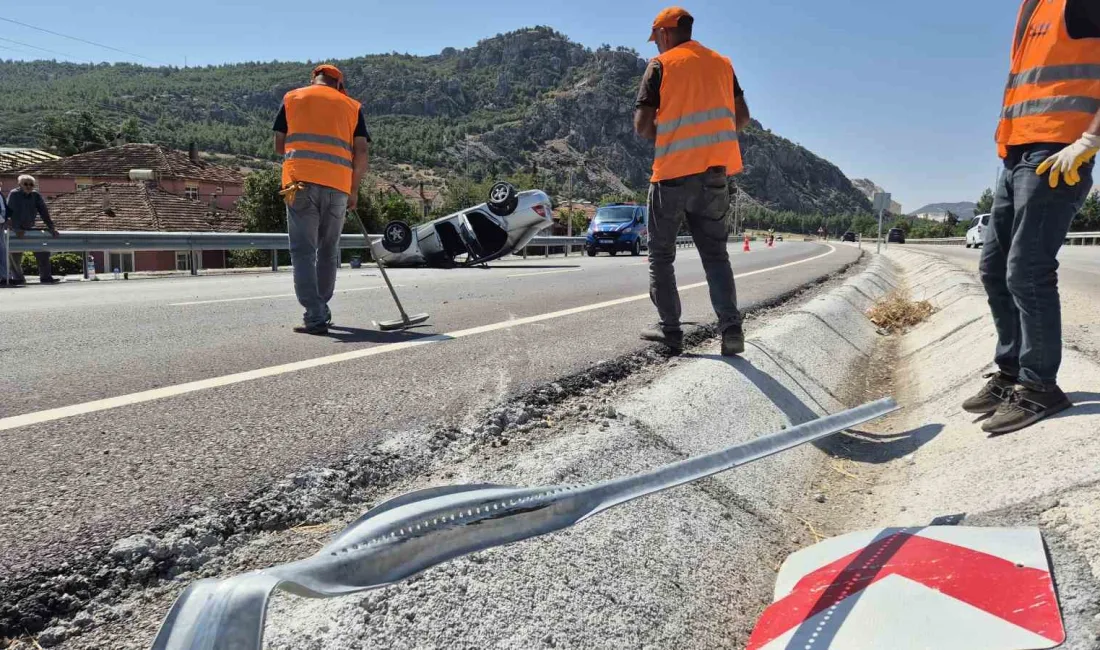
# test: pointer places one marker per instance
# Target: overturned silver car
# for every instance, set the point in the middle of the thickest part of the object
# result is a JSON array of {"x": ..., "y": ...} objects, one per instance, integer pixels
[{"x": 499, "y": 227}]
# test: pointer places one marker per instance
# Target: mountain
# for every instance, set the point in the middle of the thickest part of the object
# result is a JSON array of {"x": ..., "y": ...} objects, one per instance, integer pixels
[
  {"x": 963, "y": 209},
  {"x": 530, "y": 101},
  {"x": 869, "y": 188}
]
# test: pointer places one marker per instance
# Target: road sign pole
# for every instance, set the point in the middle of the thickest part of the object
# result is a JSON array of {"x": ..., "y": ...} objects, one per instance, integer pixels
[
  {"x": 879, "y": 232},
  {"x": 881, "y": 202}
]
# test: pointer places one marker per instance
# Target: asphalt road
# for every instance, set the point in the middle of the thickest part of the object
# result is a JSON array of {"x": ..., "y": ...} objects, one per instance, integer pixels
[
  {"x": 1078, "y": 284},
  {"x": 90, "y": 455}
]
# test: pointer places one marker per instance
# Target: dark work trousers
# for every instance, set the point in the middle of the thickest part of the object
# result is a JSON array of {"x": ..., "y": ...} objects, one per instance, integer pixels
[
  {"x": 45, "y": 268},
  {"x": 1019, "y": 265},
  {"x": 703, "y": 200}
]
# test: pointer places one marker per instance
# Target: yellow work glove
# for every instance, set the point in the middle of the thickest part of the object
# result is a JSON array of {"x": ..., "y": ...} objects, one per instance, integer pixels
[
  {"x": 291, "y": 191},
  {"x": 1067, "y": 162}
]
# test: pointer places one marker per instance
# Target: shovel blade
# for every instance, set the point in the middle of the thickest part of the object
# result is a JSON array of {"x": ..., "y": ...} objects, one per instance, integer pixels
[{"x": 411, "y": 321}]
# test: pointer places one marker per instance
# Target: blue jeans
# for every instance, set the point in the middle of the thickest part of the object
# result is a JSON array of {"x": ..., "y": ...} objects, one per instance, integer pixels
[
  {"x": 314, "y": 224},
  {"x": 1019, "y": 265}
]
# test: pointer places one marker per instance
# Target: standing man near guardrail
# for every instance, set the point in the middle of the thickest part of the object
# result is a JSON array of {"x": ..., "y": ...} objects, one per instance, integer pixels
[
  {"x": 691, "y": 105},
  {"x": 25, "y": 207},
  {"x": 323, "y": 138},
  {"x": 1052, "y": 100}
]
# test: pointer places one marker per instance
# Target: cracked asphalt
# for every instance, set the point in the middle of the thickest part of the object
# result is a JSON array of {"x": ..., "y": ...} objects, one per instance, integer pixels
[{"x": 72, "y": 484}]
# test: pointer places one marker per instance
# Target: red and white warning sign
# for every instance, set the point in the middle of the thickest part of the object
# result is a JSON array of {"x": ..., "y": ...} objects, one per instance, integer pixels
[{"x": 942, "y": 587}]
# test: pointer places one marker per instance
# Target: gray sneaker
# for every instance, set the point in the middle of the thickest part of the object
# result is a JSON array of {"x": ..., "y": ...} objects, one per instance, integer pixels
[
  {"x": 995, "y": 392},
  {"x": 674, "y": 339},
  {"x": 1026, "y": 406}
]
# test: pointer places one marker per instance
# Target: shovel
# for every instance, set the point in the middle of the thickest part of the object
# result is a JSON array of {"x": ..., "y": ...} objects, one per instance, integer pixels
[{"x": 406, "y": 321}]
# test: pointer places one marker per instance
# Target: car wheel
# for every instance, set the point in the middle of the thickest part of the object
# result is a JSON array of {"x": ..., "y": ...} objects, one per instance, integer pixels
[
  {"x": 592, "y": 252},
  {"x": 613, "y": 252},
  {"x": 503, "y": 199},
  {"x": 636, "y": 249},
  {"x": 397, "y": 237},
  {"x": 968, "y": 244}
]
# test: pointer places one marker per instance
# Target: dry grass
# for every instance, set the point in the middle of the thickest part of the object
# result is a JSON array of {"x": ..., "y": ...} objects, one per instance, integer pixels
[{"x": 896, "y": 313}]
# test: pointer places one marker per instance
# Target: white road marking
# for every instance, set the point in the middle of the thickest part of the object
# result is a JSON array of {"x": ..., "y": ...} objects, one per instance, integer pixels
[
  {"x": 85, "y": 408},
  {"x": 527, "y": 275},
  {"x": 278, "y": 295}
]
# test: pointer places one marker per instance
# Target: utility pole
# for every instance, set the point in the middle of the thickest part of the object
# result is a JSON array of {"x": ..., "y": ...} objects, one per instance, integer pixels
[{"x": 569, "y": 221}]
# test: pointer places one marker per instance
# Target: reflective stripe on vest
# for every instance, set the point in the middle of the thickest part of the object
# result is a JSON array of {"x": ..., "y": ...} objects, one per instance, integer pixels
[
  {"x": 318, "y": 139},
  {"x": 316, "y": 155},
  {"x": 1053, "y": 73},
  {"x": 695, "y": 143},
  {"x": 1051, "y": 105},
  {"x": 1053, "y": 89},
  {"x": 696, "y": 121},
  {"x": 695, "y": 118}
]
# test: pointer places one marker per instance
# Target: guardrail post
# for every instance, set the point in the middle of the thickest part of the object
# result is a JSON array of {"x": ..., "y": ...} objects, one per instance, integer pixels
[
  {"x": 274, "y": 260},
  {"x": 546, "y": 251},
  {"x": 194, "y": 262},
  {"x": 84, "y": 257},
  {"x": 524, "y": 252}
]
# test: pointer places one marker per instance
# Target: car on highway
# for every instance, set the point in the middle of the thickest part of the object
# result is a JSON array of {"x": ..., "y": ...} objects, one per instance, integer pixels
[
  {"x": 895, "y": 236},
  {"x": 975, "y": 237},
  {"x": 848, "y": 236},
  {"x": 501, "y": 226},
  {"x": 618, "y": 227}
]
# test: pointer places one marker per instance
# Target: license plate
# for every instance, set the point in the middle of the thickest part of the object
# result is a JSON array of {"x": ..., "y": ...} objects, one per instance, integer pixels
[{"x": 607, "y": 241}]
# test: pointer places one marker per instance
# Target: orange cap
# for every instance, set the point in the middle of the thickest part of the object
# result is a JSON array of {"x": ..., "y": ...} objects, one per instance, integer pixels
[
  {"x": 668, "y": 19},
  {"x": 330, "y": 70}
]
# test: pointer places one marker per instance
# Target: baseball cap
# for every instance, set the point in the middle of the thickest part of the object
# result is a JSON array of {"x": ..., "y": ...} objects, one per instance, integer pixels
[
  {"x": 330, "y": 70},
  {"x": 668, "y": 19}
]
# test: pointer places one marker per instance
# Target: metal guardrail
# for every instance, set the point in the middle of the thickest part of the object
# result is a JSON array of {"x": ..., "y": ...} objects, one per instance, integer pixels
[
  {"x": 79, "y": 241},
  {"x": 1072, "y": 239},
  {"x": 84, "y": 242}
]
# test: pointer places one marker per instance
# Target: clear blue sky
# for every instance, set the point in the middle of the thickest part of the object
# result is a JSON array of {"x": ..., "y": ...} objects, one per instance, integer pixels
[{"x": 904, "y": 93}]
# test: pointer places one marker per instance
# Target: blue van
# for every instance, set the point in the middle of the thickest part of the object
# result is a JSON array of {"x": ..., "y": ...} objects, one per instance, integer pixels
[{"x": 619, "y": 227}]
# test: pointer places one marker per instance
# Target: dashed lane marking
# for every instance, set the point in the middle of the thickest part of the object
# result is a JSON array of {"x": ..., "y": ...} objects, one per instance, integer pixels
[{"x": 527, "y": 275}]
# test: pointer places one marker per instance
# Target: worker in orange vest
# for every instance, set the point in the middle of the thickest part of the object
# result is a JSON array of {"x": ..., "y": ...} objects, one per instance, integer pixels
[
  {"x": 1048, "y": 136},
  {"x": 691, "y": 106},
  {"x": 322, "y": 136}
]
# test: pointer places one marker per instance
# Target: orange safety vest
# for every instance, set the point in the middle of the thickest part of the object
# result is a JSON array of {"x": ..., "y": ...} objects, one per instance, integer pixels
[
  {"x": 696, "y": 121},
  {"x": 320, "y": 137},
  {"x": 1053, "y": 90}
]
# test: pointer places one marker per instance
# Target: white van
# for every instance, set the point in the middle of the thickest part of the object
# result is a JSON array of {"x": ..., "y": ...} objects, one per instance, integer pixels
[{"x": 976, "y": 235}]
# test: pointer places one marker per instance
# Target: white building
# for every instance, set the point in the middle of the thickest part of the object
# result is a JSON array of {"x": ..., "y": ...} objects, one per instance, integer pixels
[{"x": 936, "y": 215}]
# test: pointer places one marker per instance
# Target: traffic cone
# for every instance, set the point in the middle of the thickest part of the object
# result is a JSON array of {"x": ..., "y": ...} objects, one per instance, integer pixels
[{"x": 746, "y": 248}]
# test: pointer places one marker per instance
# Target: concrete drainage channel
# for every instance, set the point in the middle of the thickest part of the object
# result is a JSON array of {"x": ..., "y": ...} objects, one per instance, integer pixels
[{"x": 694, "y": 566}]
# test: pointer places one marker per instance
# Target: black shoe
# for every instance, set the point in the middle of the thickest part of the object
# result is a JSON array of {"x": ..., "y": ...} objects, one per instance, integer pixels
[
  {"x": 733, "y": 341},
  {"x": 674, "y": 339},
  {"x": 995, "y": 392},
  {"x": 1026, "y": 406},
  {"x": 50, "y": 281},
  {"x": 320, "y": 329}
]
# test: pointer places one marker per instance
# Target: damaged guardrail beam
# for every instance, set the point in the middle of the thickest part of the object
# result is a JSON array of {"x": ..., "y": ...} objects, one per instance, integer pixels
[{"x": 416, "y": 531}]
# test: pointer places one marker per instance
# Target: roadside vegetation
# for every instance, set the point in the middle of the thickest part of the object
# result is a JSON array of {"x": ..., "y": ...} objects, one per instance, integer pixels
[{"x": 895, "y": 313}]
